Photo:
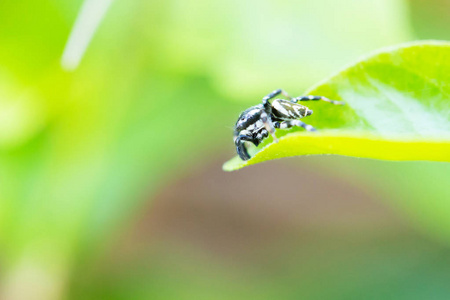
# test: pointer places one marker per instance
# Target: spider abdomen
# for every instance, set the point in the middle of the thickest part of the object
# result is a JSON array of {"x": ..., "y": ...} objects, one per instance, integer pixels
[{"x": 287, "y": 110}]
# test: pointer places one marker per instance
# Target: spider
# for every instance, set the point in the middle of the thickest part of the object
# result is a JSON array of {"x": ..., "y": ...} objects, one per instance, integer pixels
[{"x": 255, "y": 123}]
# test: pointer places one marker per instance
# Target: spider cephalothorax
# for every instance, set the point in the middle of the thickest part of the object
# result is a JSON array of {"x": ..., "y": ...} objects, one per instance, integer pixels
[{"x": 255, "y": 123}]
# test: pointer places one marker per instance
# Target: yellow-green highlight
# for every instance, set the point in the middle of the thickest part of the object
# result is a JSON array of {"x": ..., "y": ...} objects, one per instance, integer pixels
[{"x": 357, "y": 146}]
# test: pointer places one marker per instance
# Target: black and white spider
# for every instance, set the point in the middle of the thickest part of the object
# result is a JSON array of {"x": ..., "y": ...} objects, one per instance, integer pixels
[{"x": 255, "y": 123}]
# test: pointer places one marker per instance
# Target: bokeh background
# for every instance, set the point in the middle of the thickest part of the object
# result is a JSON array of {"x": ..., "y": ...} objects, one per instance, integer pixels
[{"x": 115, "y": 119}]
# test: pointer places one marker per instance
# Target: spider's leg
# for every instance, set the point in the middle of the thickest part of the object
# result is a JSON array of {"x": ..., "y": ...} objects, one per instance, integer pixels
[
  {"x": 275, "y": 93},
  {"x": 268, "y": 125},
  {"x": 240, "y": 146},
  {"x": 292, "y": 123},
  {"x": 261, "y": 134},
  {"x": 316, "y": 98}
]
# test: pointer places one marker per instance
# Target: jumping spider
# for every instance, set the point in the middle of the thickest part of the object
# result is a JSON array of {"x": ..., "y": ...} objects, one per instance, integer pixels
[{"x": 255, "y": 123}]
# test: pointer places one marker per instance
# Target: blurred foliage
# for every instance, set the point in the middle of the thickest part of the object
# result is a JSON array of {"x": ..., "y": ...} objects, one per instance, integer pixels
[
  {"x": 329, "y": 267},
  {"x": 334, "y": 247},
  {"x": 81, "y": 151},
  {"x": 396, "y": 109},
  {"x": 429, "y": 19}
]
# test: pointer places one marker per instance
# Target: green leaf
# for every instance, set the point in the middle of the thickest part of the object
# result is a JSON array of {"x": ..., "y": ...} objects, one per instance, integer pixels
[{"x": 398, "y": 108}]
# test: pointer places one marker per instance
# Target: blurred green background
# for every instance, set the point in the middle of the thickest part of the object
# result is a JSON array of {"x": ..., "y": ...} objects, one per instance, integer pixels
[{"x": 115, "y": 119}]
